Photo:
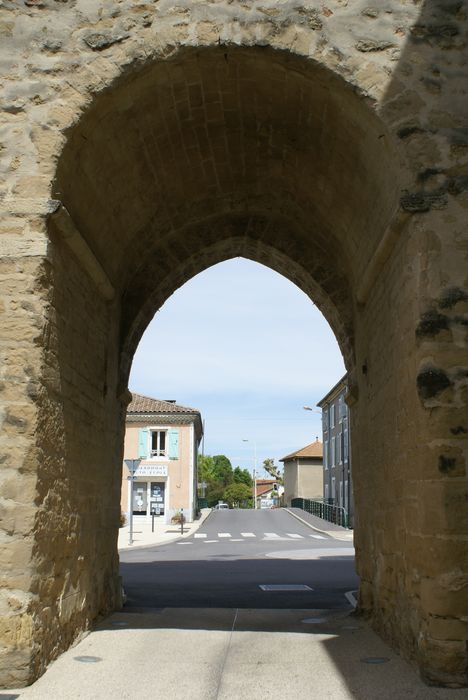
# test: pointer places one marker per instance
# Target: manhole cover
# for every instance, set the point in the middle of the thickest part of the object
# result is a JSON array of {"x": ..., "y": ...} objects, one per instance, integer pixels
[
  {"x": 375, "y": 660},
  {"x": 314, "y": 620},
  {"x": 88, "y": 659},
  {"x": 284, "y": 587}
]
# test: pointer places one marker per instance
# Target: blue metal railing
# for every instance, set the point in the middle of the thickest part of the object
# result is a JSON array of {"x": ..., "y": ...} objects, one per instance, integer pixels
[{"x": 326, "y": 511}]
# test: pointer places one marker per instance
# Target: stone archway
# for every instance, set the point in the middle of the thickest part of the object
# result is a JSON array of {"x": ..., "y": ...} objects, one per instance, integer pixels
[{"x": 206, "y": 139}]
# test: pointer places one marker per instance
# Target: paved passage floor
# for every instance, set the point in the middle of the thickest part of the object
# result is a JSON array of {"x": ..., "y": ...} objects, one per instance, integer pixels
[{"x": 224, "y": 654}]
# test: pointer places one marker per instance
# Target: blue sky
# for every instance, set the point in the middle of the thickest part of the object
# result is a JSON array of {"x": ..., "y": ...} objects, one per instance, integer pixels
[{"x": 248, "y": 349}]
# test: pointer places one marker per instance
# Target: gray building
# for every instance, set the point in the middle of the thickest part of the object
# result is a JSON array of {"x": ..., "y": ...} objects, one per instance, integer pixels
[{"x": 337, "y": 477}]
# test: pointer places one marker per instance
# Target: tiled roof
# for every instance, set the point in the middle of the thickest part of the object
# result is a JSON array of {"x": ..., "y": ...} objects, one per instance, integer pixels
[
  {"x": 315, "y": 449},
  {"x": 145, "y": 404},
  {"x": 264, "y": 488}
]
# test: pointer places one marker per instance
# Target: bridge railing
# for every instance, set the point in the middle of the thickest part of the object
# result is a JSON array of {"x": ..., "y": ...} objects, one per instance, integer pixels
[{"x": 326, "y": 511}]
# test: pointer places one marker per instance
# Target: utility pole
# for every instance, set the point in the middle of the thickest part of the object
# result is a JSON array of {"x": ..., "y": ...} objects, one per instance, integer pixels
[
  {"x": 132, "y": 465},
  {"x": 254, "y": 470}
]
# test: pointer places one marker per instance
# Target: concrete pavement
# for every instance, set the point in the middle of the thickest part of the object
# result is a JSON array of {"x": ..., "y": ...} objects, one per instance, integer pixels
[
  {"x": 226, "y": 654},
  {"x": 164, "y": 533},
  {"x": 323, "y": 526}
]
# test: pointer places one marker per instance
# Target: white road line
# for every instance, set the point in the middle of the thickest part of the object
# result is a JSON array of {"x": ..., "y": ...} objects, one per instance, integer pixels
[
  {"x": 200, "y": 535},
  {"x": 233, "y": 540},
  {"x": 318, "y": 537},
  {"x": 209, "y": 541},
  {"x": 184, "y": 542},
  {"x": 224, "y": 534},
  {"x": 248, "y": 534},
  {"x": 272, "y": 535},
  {"x": 296, "y": 537}
]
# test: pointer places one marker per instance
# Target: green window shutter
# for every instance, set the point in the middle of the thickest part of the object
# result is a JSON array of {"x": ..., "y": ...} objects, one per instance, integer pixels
[
  {"x": 143, "y": 443},
  {"x": 173, "y": 451}
]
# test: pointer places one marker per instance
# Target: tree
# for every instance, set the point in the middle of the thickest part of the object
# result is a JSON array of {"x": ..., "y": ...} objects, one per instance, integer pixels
[
  {"x": 242, "y": 476},
  {"x": 223, "y": 469},
  {"x": 269, "y": 466},
  {"x": 205, "y": 468},
  {"x": 236, "y": 494},
  {"x": 217, "y": 473}
]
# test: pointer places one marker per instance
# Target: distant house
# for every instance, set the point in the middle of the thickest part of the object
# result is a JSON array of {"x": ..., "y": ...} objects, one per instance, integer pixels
[
  {"x": 337, "y": 477},
  {"x": 165, "y": 436},
  {"x": 303, "y": 473},
  {"x": 268, "y": 492}
]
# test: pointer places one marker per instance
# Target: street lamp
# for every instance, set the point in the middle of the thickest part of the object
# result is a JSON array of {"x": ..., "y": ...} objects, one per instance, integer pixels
[
  {"x": 254, "y": 471},
  {"x": 132, "y": 465}
]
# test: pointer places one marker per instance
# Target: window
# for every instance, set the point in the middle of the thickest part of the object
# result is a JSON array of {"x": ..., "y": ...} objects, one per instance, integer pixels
[
  {"x": 158, "y": 443},
  {"x": 339, "y": 438},
  {"x": 332, "y": 455},
  {"x": 342, "y": 408},
  {"x": 325, "y": 419},
  {"x": 332, "y": 415},
  {"x": 345, "y": 444},
  {"x": 325, "y": 455}
]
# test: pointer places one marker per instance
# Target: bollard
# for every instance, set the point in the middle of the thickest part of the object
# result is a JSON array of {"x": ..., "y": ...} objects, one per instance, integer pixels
[
  {"x": 152, "y": 521},
  {"x": 181, "y": 521}
]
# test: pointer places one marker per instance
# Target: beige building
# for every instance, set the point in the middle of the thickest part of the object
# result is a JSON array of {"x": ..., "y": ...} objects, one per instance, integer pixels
[
  {"x": 303, "y": 473},
  {"x": 165, "y": 436}
]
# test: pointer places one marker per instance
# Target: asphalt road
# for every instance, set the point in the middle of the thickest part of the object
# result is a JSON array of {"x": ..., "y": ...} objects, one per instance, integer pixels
[{"x": 232, "y": 555}]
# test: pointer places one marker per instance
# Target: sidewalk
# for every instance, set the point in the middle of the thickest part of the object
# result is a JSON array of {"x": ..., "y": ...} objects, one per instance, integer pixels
[
  {"x": 163, "y": 532},
  {"x": 323, "y": 526}
]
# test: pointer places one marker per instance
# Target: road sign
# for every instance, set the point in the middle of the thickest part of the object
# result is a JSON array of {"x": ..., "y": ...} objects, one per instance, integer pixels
[{"x": 132, "y": 464}]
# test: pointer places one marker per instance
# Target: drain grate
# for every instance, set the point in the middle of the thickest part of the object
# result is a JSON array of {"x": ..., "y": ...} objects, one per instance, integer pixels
[
  {"x": 285, "y": 587},
  {"x": 375, "y": 660},
  {"x": 314, "y": 620}
]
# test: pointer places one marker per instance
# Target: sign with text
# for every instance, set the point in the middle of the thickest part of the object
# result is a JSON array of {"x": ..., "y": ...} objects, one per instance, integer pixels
[{"x": 151, "y": 470}]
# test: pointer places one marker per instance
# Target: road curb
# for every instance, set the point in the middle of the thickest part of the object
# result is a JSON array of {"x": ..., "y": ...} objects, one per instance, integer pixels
[
  {"x": 312, "y": 527},
  {"x": 351, "y": 598}
]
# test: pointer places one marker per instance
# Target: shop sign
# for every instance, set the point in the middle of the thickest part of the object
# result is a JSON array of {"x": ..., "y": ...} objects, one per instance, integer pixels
[{"x": 151, "y": 470}]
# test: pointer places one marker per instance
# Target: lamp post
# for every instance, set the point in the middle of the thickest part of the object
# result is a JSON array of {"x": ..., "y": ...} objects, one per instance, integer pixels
[
  {"x": 254, "y": 471},
  {"x": 132, "y": 466}
]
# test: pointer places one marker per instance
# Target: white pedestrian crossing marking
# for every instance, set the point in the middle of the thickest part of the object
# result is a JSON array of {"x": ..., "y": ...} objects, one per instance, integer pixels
[
  {"x": 271, "y": 534},
  {"x": 297, "y": 537},
  {"x": 184, "y": 542},
  {"x": 318, "y": 537},
  {"x": 200, "y": 534},
  {"x": 209, "y": 541},
  {"x": 224, "y": 534},
  {"x": 248, "y": 534},
  {"x": 233, "y": 540}
]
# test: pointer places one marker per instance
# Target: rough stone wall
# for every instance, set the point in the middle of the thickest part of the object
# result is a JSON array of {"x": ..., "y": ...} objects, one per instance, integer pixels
[{"x": 327, "y": 140}]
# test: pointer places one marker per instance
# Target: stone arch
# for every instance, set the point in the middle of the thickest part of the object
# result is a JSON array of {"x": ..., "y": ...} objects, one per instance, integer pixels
[
  {"x": 344, "y": 124},
  {"x": 254, "y": 140}
]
